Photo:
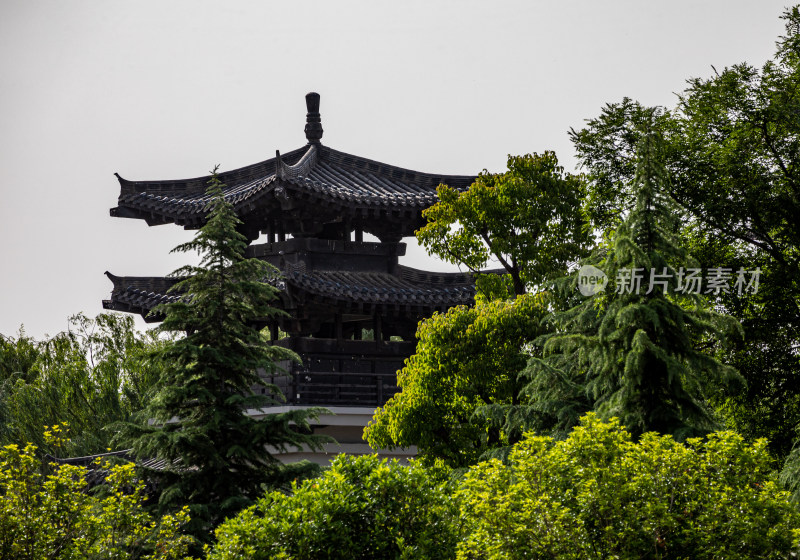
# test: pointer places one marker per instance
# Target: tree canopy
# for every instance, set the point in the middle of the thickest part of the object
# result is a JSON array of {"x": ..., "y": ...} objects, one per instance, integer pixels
[
  {"x": 731, "y": 148},
  {"x": 361, "y": 508},
  {"x": 528, "y": 219},
  {"x": 55, "y": 516},
  {"x": 466, "y": 358},
  {"x": 598, "y": 494}
]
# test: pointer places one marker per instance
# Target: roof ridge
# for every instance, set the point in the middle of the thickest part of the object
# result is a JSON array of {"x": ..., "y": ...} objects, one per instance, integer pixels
[
  {"x": 231, "y": 178},
  {"x": 300, "y": 169},
  {"x": 341, "y": 157}
]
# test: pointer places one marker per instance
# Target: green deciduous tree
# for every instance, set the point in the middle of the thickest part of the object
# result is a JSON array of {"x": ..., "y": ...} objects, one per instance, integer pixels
[
  {"x": 464, "y": 375},
  {"x": 361, "y": 508},
  {"x": 527, "y": 218},
  {"x": 216, "y": 452},
  {"x": 632, "y": 350},
  {"x": 53, "y": 516},
  {"x": 465, "y": 359},
  {"x": 742, "y": 128},
  {"x": 599, "y": 495},
  {"x": 732, "y": 151}
]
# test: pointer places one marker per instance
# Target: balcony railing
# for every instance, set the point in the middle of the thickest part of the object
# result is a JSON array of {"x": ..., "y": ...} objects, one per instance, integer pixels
[
  {"x": 336, "y": 389},
  {"x": 340, "y": 372}
]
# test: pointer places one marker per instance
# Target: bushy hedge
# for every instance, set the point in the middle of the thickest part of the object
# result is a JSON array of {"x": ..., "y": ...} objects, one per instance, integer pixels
[
  {"x": 361, "y": 508},
  {"x": 598, "y": 494}
]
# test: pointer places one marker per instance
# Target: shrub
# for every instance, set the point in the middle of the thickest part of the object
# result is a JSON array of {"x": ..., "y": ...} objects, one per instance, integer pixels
[
  {"x": 360, "y": 508},
  {"x": 53, "y": 515},
  {"x": 598, "y": 494}
]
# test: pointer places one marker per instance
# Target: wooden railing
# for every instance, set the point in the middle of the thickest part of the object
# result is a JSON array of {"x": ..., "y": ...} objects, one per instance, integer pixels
[
  {"x": 336, "y": 389},
  {"x": 340, "y": 372}
]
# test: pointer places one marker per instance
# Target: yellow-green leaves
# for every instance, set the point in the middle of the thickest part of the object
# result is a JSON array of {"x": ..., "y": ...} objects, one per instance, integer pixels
[
  {"x": 599, "y": 494},
  {"x": 362, "y": 508},
  {"x": 465, "y": 359},
  {"x": 53, "y": 516}
]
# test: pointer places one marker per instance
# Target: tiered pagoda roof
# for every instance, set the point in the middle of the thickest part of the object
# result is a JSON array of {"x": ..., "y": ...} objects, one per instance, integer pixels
[
  {"x": 298, "y": 193},
  {"x": 351, "y": 308},
  {"x": 351, "y": 291},
  {"x": 357, "y": 185},
  {"x": 309, "y": 201}
]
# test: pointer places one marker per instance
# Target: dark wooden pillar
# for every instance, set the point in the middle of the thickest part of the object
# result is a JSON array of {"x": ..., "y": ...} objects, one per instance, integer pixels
[{"x": 377, "y": 328}]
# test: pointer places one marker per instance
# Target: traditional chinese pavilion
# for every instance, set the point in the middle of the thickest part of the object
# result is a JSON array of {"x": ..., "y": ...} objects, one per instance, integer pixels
[{"x": 352, "y": 308}]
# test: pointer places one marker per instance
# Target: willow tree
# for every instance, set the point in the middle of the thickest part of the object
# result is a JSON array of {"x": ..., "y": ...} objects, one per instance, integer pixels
[{"x": 95, "y": 373}]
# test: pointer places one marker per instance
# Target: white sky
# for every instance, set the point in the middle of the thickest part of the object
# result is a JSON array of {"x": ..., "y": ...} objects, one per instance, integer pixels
[{"x": 166, "y": 90}]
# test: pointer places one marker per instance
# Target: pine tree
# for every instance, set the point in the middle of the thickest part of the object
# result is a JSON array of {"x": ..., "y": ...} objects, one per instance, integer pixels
[
  {"x": 216, "y": 454},
  {"x": 635, "y": 354}
]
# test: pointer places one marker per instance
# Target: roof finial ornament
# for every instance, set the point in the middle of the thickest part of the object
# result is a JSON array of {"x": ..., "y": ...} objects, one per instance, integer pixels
[{"x": 313, "y": 119}]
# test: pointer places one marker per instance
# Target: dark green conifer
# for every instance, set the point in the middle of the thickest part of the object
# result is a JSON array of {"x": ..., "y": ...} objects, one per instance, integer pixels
[
  {"x": 217, "y": 455},
  {"x": 636, "y": 354}
]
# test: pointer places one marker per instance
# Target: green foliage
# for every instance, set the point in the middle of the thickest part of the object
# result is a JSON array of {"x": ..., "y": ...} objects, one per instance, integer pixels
[
  {"x": 742, "y": 126},
  {"x": 732, "y": 149},
  {"x": 600, "y": 495},
  {"x": 198, "y": 421},
  {"x": 361, "y": 508},
  {"x": 465, "y": 359},
  {"x": 97, "y": 372},
  {"x": 54, "y": 517},
  {"x": 527, "y": 218},
  {"x": 767, "y": 358},
  {"x": 629, "y": 353},
  {"x": 18, "y": 357},
  {"x": 607, "y": 149}
]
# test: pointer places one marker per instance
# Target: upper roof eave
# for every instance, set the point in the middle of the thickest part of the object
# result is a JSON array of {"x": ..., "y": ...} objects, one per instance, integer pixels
[
  {"x": 402, "y": 172},
  {"x": 230, "y": 178},
  {"x": 315, "y": 171}
]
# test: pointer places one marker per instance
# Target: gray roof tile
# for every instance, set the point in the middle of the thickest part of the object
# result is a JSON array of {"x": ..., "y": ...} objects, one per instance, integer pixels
[
  {"x": 323, "y": 173},
  {"x": 432, "y": 290}
]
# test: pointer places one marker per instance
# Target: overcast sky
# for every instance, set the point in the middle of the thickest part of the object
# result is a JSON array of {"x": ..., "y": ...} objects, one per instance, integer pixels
[{"x": 166, "y": 90}]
